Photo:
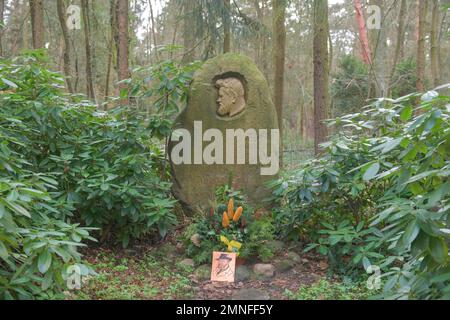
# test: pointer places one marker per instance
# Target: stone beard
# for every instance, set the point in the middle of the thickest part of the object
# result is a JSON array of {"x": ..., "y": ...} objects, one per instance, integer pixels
[{"x": 231, "y": 97}]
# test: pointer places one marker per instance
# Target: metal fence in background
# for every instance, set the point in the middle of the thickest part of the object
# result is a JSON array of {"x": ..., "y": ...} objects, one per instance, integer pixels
[{"x": 292, "y": 158}]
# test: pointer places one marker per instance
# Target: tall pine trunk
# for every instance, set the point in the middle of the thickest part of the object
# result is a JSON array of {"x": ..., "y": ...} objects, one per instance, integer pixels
[
  {"x": 321, "y": 72},
  {"x": 262, "y": 38},
  {"x": 122, "y": 46},
  {"x": 155, "y": 41},
  {"x": 2, "y": 11},
  {"x": 227, "y": 27},
  {"x": 37, "y": 23},
  {"x": 87, "y": 39},
  {"x": 112, "y": 24},
  {"x": 189, "y": 31},
  {"x": 400, "y": 43},
  {"x": 434, "y": 50},
  {"x": 65, "y": 33},
  {"x": 420, "y": 85},
  {"x": 378, "y": 48},
  {"x": 279, "y": 58}
]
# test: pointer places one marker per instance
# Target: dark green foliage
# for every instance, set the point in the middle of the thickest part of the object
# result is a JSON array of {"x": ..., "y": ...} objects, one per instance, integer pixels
[
  {"x": 260, "y": 233},
  {"x": 37, "y": 247},
  {"x": 405, "y": 78},
  {"x": 350, "y": 86},
  {"x": 167, "y": 82},
  {"x": 106, "y": 164},
  {"x": 379, "y": 196},
  {"x": 62, "y": 161}
]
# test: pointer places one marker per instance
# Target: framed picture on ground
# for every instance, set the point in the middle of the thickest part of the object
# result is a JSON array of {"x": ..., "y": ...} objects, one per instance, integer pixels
[{"x": 223, "y": 267}]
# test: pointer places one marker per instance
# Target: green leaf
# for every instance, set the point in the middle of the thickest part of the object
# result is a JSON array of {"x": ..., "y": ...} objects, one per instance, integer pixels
[
  {"x": 327, "y": 225},
  {"x": 310, "y": 247},
  {"x": 18, "y": 209},
  {"x": 411, "y": 232},
  {"x": 2, "y": 210},
  {"x": 125, "y": 240},
  {"x": 422, "y": 175},
  {"x": 335, "y": 239},
  {"x": 3, "y": 251},
  {"x": 123, "y": 93},
  {"x": 421, "y": 242},
  {"x": 372, "y": 171},
  {"x": 33, "y": 192},
  {"x": 360, "y": 226},
  {"x": 366, "y": 263},
  {"x": 48, "y": 281},
  {"x": 44, "y": 261},
  {"x": 10, "y": 83},
  {"x": 391, "y": 145},
  {"x": 438, "y": 249},
  {"x": 323, "y": 250},
  {"x": 390, "y": 283},
  {"x": 441, "y": 278},
  {"x": 438, "y": 194},
  {"x": 406, "y": 113}
]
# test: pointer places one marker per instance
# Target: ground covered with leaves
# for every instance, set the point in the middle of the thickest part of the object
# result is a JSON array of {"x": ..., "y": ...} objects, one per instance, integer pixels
[{"x": 153, "y": 272}]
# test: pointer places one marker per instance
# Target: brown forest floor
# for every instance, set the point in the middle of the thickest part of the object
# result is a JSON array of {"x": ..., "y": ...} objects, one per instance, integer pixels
[{"x": 154, "y": 272}]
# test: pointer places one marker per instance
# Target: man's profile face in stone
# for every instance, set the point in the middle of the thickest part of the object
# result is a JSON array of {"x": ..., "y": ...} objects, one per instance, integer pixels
[{"x": 231, "y": 97}]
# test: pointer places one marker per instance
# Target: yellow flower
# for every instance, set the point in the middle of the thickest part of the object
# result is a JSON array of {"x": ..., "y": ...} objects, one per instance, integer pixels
[
  {"x": 225, "y": 220},
  {"x": 230, "y": 209},
  {"x": 231, "y": 244},
  {"x": 238, "y": 214}
]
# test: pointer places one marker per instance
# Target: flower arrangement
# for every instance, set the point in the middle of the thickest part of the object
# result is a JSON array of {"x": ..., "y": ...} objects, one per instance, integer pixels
[
  {"x": 232, "y": 220},
  {"x": 229, "y": 226}
]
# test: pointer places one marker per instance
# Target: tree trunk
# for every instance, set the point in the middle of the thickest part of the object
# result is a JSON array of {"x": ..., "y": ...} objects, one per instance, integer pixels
[
  {"x": 122, "y": 46},
  {"x": 86, "y": 27},
  {"x": 420, "y": 85},
  {"x": 307, "y": 122},
  {"x": 112, "y": 24},
  {"x": 279, "y": 57},
  {"x": 17, "y": 11},
  {"x": 259, "y": 35},
  {"x": 378, "y": 49},
  {"x": 321, "y": 72},
  {"x": 65, "y": 33},
  {"x": 399, "y": 44},
  {"x": 434, "y": 56},
  {"x": 155, "y": 41},
  {"x": 261, "y": 39},
  {"x": 227, "y": 27},
  {"x": 189, "y": 31},
  {"x": 2, "y": 11},
  {"x": 363, "y": 37},
  {"x": 443, "y": 29},
  {"x": 37, "y": 23}
]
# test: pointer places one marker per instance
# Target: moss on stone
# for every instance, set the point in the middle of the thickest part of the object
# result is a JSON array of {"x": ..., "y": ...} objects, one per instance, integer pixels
[{"x": 194, "y": 185}]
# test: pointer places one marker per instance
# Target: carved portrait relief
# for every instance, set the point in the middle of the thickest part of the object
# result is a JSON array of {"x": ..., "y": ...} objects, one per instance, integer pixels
[{"x": 231, "y": 99}]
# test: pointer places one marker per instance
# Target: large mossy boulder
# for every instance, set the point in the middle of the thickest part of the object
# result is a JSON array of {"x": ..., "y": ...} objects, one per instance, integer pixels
[{"x": 227, "y": 93}]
